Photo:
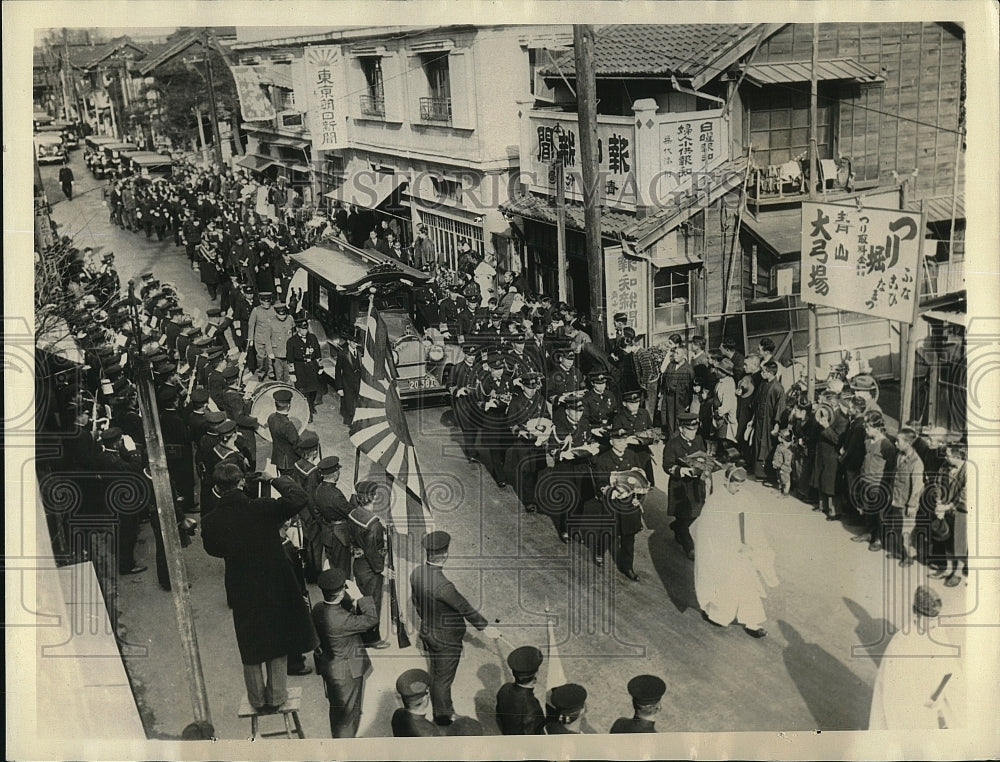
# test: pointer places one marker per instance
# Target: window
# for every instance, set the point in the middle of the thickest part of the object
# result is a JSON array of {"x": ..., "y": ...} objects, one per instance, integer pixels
[
  {"x": 447, "y": 234},
  {"x": 778, "y": 124},
  {"x": 373, "y": 100},
  {"x": 437, "y": 106},
  {"x": 450, "y": 190},
  {"x": 284, "y": 99},
  {"x": 671, "y": 298}
]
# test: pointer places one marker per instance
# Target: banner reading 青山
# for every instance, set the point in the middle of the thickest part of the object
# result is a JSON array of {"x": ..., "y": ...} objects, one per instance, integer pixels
[
  {"x": 326, "y": 93},
  {"x": 626, "y": 288},
  {"x": 861, "y": 260},
  {"x": 255, "y": 103}
]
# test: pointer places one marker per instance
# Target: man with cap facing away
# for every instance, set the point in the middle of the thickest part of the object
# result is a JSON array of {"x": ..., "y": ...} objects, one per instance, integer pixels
[
  {"x": 284, "y": 435},
  {"x": 270, "y": 617},
  {"x": 332, "y": 512},
  {"x": 112, "y": 469},
  {"x": 443, "y": 612},
  {"x": 413, "y": 687},
  {"x": 646, "y": 692},
  {"x": 566, "y": 707},
  {"x": 518, "y": 711},
  {"x": 368, "y": 537},
  {"x": 302, "y": 350},
  {"x": 177, "y": 450},
  {"x": 920, "y": 683},
  {"x": 340, "y": 618}
]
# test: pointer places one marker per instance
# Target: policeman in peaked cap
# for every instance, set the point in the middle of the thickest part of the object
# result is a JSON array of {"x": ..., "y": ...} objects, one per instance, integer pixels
[
  {"x": 646, "y": 692},
  {"x": 524, "y": 458},
  {"x": 518, "y": 711},
  {"x": 443, "y": 613},
  {"x": 599, "y": 403},
  {"x": 342, "y": 660},
  {"x": 567, "y": 704},
  {"x": 335, "y": 509},
  {"x": 565, "y": 378},
  {"x": 413, "y": 687},
  {"x": 284, "y": 434}
]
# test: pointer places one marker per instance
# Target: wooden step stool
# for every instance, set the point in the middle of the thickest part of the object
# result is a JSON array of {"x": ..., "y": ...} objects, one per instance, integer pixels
[{"x": 289, "y": 712}]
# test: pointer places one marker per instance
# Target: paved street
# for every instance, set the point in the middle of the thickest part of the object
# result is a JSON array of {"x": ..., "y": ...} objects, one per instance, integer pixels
[{"x": 828, "y": 619}]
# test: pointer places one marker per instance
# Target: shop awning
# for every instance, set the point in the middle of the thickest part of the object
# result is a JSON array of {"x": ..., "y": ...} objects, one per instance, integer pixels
[
  {"x": 367, "y": 189},
  {"x": 939, "y": 208},
  {"x": 780, "y": 231},
  {"x": 801, "y": 71},
  {"x": 255, "y": 162},
  {"x": 281, "y": 140},
  {"x": 955, "y": 317}
]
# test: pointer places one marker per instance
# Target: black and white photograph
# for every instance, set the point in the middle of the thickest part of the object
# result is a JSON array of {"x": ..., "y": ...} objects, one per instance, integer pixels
[{"x": 402, "y": 369}]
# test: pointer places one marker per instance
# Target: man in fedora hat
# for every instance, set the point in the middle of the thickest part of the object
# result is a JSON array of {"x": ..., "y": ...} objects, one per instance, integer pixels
[
  {"x": 443, "y": 613},
  {"x": 518, "y": 711},
  {"x": 340, "y": 618}
]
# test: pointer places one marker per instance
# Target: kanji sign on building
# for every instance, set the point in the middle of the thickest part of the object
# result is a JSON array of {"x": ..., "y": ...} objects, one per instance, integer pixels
[
  {"x": 557, "y": 138},
  {"x": 326, "y": 91},
  {"x": 861, "y": 260},
  {"x": 626, "y": 288},
  {"x": 691, "y": 144}
]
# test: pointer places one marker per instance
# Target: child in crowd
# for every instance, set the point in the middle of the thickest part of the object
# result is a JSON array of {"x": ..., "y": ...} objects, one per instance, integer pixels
[{"x": 782, "y": 460}]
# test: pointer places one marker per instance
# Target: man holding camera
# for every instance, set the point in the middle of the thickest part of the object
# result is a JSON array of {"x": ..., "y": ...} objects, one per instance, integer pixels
[{"x": 340, "y": 618}]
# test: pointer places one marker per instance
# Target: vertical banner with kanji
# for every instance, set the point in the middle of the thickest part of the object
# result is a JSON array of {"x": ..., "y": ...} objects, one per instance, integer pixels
[
  {"x": 691, "y": 146},
  {"x": 861, "y": 260},
  {"x": 326, "y": 91},
  {"x": 255, "y": 102},
  {"x": 625, "y": 284}
]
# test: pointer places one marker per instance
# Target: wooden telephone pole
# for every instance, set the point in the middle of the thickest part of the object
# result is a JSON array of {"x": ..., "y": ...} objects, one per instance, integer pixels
[{"x": 586, "y": 101}]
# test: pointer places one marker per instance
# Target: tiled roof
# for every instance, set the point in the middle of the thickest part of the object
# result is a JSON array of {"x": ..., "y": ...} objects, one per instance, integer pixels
[
  {"x": 537, "y": 208},
  {"x": 656, "y": 49}
]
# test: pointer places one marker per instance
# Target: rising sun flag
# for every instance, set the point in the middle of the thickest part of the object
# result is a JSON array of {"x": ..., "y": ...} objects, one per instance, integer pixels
[{"x": 379, "y": 429}]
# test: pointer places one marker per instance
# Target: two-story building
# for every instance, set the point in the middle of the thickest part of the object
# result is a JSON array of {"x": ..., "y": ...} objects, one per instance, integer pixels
[
  {"x": 703, "y": 150},
  {"x": 417, "y": 123}
]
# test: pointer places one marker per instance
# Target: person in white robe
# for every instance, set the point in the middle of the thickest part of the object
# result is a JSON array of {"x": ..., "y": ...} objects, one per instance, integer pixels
[
  {"x": 919, "y": 685},
  {"x": 733, "y": 558},
  {"x": 485, "y": 275}
]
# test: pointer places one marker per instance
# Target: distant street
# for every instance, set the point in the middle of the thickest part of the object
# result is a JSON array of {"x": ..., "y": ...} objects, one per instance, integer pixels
[{"x": 827, "y": 620}]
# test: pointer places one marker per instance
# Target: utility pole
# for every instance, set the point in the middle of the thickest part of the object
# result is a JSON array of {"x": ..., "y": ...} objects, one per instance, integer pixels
[
  {"x": 813, "y": 176},
  {"x": 586, "y": 102},
  {"x": 216, "y": 136},
  {"x": 559, "y": 169}
]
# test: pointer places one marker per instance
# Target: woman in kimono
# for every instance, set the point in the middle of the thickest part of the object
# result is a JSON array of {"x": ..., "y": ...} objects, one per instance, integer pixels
[{"x": 732, "y": 560}]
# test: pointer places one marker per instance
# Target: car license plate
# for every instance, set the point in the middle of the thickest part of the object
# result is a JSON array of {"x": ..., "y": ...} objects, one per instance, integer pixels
[{"x": 427, "y": 382}]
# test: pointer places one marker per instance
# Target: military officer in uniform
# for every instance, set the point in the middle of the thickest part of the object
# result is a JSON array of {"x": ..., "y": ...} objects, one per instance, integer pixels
[
  {"x": 443, "y": 613},
  {"x": 492, "y": 396},
  {"x": 567, "y": 704},
  {"x": 525, "y": 458},
  {"x": 333, "y": 511},
  {"x": 463, "y": 382},
  {"x": 624, "y": 506},
  {"x": 284, "y": 435},
  {"x": 518, "y": 711},
  {"x": 340, "y": 618},
  {"x": 302, "y": 350},
  {"x": 635, "y": 418},
  {"x": 259, "y": 332},
  {"x": 450, "y": 311},
  {"x": 413, "y": 687},
  {"x": 646, "y": 692},
  {"x": 565, "y": 379},
  {"x": 564, "y": 487},
  {"x": 686, "y": 490},
  {"x": 599, "y": 404},
  {"x": 521, "y": 358},
  {"x": 368, "y": 537}
]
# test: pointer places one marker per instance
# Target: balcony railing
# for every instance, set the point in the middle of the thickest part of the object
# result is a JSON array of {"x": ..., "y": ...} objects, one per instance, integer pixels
[
  {"x": 372, "y": 106},
  {"x": 942, "y": 278},
  {"x": 435, "y": 109}
]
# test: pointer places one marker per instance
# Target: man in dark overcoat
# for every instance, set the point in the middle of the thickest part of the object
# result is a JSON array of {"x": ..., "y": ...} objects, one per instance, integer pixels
[
  {"x": 767, "y": 417},
  {"x": 622, "y": 504},
  {"x": 686, "y": 491},
  {"x": 518, "y": 711},
  {"x": 269, "y": 614},
  {"x": 302, "y": 350}
]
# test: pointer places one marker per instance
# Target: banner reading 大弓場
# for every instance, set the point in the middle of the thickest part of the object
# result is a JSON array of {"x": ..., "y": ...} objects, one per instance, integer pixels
[
  {"x": 326, "y": 93},
  {"x": 861, "y": 260}
]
